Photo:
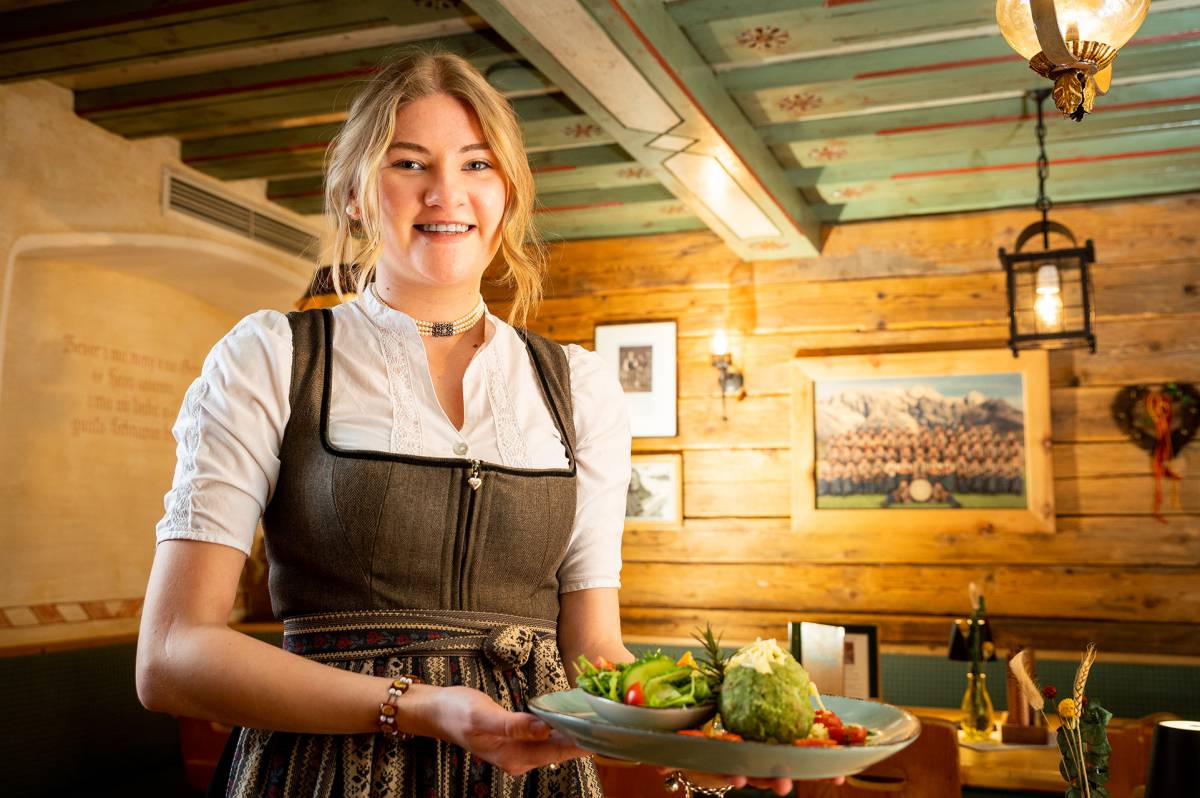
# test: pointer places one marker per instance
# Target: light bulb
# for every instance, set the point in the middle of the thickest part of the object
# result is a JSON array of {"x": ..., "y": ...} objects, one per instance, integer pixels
[
  {"x": 719, "y": 345},
  {"x": 1049, "y": 309},
  {"x": 1049, "y": 304},
  {"x": 1111, "y": 22}
]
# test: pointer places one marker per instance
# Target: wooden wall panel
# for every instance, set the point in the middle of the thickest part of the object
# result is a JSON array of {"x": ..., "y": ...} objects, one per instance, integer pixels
[{"x": 1111, "y": 572}]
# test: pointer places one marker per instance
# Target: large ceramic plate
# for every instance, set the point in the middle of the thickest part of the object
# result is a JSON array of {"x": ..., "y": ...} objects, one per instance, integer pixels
[{"x": 569, "y": 712}]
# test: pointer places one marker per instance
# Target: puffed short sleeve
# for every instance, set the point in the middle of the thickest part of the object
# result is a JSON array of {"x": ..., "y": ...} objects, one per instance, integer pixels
[
  {"x": 228, "y": 435},
  {"x": 602, "y": 443}
]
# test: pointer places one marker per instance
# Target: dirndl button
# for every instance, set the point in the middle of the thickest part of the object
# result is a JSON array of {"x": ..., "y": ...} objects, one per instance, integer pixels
[{"x": 460, "y": 448}]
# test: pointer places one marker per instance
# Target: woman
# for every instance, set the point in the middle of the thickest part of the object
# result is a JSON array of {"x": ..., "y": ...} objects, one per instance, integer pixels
[{"x": 442, "y": 494}]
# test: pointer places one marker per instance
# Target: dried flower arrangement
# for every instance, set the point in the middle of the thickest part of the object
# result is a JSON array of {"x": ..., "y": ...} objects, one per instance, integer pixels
[{"x": 1083, "y": 733}]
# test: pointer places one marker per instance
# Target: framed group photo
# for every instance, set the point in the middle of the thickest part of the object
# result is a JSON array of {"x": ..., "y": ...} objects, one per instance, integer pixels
[
  {"x": 642, "y": 357},
  {"x": 937, "y": 442}
]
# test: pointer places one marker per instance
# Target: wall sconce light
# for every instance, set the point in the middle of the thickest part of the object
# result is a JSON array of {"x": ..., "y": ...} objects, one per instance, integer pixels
[
  {"x": 1049, "y": 292},
  {"x": 1071, "y": 42},
  {"x": 729, "y": 379}
]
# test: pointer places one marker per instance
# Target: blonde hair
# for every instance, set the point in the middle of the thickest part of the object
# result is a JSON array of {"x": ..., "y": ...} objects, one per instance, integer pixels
[{"x": 357, "y": 154}]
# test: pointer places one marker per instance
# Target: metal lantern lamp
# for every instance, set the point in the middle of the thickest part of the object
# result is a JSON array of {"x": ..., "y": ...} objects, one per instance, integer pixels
[
  {"x": 1049, "y": 291},
  {"x": 1071, "y": 42}
]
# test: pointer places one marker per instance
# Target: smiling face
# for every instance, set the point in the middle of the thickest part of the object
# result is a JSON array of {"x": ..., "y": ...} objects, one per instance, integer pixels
[{"x": 441, "y": 199}]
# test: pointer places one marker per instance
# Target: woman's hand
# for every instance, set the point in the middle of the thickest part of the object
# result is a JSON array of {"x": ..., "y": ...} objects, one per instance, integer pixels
[
  {"x": 515, "y": 742},
  {"x": 717, "y": 781}
]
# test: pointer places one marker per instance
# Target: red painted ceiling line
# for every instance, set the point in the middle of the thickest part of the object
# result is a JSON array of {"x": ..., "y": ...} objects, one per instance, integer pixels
[
  {"x": 120, "y": 19},
  {"x": 583, "y": 207},
  {"x": 944, "y": 65},
  {"x": 833, "y": 3},
  {"x": 196, "y": 95},
  {"x": 994, "y": 120},
  {"x": 1058, "y": 162},
  {"x": 248, "y": 153},
  {"x": 666, "y": 67},
  {"x": 970, "y": 62}
]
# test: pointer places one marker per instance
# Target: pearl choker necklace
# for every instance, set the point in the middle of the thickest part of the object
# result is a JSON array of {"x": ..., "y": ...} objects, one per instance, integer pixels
[{"x": 445, "y": 329}]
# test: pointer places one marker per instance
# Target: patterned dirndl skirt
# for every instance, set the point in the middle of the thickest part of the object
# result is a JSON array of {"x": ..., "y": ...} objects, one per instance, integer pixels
[{"x": 508, "y": 657}]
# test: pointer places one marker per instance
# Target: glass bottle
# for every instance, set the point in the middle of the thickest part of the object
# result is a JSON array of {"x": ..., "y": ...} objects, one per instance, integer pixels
[{"x": 978, "y": 717}]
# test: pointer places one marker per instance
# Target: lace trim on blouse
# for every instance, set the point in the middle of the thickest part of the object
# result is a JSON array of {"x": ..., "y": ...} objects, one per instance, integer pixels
[
  {"x": 181, "y": 495},
  {"x": 406, "y": 421},
  {"x": 509, "y": 438}
]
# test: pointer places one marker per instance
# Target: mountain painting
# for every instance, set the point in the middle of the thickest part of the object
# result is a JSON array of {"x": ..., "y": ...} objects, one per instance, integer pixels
[{"x": 920, "y": 442}]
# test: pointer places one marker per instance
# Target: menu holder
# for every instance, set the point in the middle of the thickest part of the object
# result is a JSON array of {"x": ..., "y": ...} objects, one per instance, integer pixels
[
  {"x": 1023, "y": 726},
  {"x": 840, "y": 659}
]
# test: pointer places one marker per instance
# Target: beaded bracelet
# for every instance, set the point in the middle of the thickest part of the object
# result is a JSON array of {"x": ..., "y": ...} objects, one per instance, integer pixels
[{"x": 387, "y": 709}]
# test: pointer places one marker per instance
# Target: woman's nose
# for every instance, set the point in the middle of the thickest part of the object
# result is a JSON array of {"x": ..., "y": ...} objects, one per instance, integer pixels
[{"x": 445, "y": 190}]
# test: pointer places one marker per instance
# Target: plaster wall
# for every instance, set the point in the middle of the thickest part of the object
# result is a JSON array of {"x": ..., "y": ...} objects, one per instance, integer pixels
[{"x": 108, "y": 306}]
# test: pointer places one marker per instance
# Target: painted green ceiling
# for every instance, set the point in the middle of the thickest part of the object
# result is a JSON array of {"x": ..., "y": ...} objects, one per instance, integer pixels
[{"x": 869, "y": 108}]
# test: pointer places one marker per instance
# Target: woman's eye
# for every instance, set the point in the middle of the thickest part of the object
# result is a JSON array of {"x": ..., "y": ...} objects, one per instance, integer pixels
[
  {"x": 477, "y": 165},
  {"x": 405, "y": 163}
]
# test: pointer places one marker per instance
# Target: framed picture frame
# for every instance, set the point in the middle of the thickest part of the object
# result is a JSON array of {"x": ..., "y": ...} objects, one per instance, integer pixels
[
  {"x": 928, "y": 442},
  {"x": 655, "y": 496},
  {"x": 859, "y": 646},
  {"x": 642, "y": 356}
]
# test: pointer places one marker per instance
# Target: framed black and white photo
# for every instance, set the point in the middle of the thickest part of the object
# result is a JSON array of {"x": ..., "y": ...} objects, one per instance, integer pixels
[
  {"x": 655, "y": 495},
  {"x": 642, "y": 356}
]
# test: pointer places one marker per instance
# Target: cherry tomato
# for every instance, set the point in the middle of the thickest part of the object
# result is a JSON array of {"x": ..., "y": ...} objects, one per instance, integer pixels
[
  {"x": 634, "y": 696},
  {"x": 836, "y": 733},
  {"x": 855, "y": 734},
  {"x": 827, "y": 718}
]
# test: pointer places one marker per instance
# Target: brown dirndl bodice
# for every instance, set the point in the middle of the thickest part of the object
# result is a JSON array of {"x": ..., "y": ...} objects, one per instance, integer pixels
[{"x": 394, "y": 564}]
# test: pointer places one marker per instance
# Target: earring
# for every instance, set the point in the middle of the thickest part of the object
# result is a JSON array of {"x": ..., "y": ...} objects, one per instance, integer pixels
[{"x": 351, "y": 211}]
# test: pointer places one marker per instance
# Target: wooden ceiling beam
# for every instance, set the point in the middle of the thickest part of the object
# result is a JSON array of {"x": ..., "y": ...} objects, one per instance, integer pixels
[
  {"x": 644, "y": 83},
  {"x": 294, "y": 152},
  {"x": 802, "y": 33},
  {"x": 971, "y": 83},
  {"x": 1113, "y": 154},
  {"x": 1149, "y": 175},
  {"x": 92, "y": 43},
  {"x": 282, "y": 94},
  {"x": 956, "y": 122},
  {"x": 951, "y": 57}
]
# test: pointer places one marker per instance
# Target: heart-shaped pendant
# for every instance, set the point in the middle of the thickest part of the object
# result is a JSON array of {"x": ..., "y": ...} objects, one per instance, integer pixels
[{"x": 474, "y": 482}]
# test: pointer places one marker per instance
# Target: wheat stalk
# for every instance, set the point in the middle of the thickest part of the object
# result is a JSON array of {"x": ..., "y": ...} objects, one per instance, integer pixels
[{"x": 1085, "y": 665}]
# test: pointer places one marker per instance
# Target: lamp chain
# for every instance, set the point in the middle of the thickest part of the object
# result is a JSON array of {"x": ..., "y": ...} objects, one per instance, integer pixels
[{"x": 1043, "y": 167}]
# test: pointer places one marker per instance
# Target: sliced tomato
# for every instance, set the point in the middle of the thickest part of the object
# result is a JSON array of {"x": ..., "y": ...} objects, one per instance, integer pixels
[
  {"x": 814, "y": 743},
  {"x": 855, "y": 734},
  {"x": 605, "y": 665},
  {"x": 634, "y": 696}
]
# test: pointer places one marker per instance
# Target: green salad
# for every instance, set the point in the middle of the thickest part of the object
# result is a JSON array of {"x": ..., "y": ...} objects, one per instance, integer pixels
[{"x": 653, "y": 680}]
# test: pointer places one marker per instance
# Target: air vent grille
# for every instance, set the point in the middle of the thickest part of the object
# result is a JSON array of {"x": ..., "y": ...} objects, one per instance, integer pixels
[{"x": 208, "y": 206}]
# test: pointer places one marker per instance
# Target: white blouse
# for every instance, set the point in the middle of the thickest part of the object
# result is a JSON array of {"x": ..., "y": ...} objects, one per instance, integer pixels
[{"x": 231, "y": 425}]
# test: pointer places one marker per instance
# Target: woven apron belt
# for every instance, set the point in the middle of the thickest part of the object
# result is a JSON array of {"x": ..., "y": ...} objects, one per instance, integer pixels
[{"x": 505, "y": 640}]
